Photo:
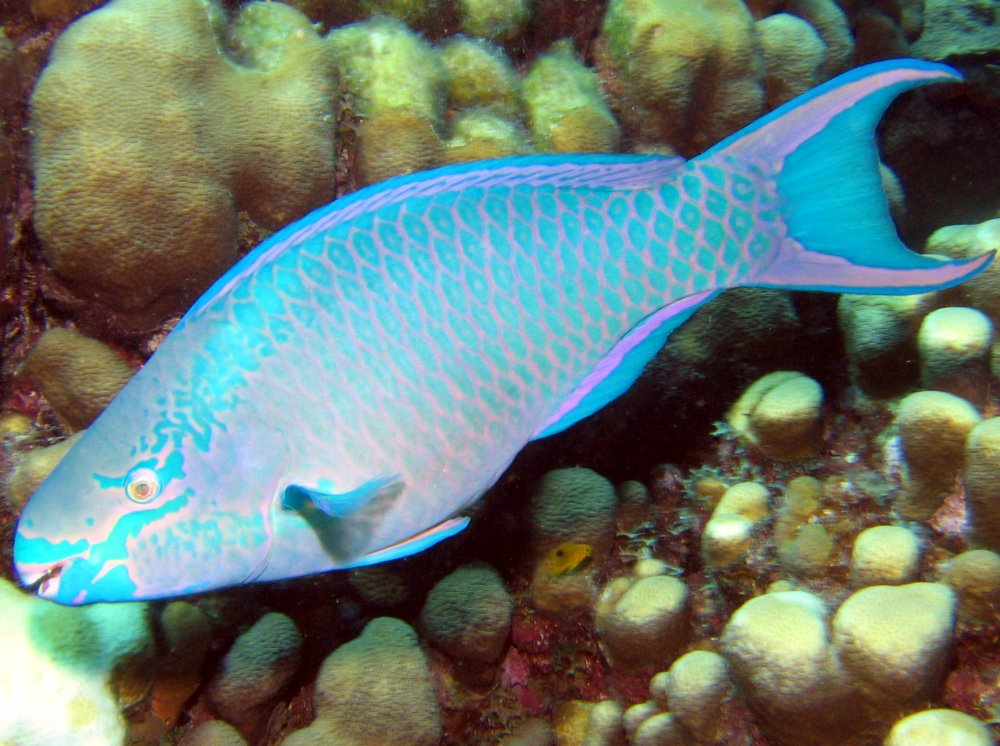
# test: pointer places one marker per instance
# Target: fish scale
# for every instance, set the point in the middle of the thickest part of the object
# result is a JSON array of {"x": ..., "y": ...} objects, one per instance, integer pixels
[{"x": 371, "y": 370}]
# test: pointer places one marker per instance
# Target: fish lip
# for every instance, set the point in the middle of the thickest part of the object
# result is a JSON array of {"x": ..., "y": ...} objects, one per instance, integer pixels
[{"x": 43, "y": 582}]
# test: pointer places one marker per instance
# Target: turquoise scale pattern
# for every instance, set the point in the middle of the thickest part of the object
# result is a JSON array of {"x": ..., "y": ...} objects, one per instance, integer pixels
[
  {"x": 424, "y": 332},
  {"x": 445, "y": 329}
]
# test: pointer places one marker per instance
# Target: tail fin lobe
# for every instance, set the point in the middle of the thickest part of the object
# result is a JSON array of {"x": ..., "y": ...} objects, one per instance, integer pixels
[{"x": 822, "y": 147}]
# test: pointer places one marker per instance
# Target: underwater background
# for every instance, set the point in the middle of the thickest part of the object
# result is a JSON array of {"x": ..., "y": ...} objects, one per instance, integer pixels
[{"x": 787, "y": 532}]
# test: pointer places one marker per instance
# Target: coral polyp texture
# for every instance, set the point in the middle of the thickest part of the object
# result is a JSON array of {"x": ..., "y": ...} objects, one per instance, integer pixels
[
  {"x": 787, "y": 533},
  {"x": 148, "y": 139},
  {"x": 690, "y": 72}
]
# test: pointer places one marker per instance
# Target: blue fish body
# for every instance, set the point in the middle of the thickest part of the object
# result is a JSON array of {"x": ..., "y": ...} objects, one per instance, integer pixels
[{"x": 368, "y": 372}]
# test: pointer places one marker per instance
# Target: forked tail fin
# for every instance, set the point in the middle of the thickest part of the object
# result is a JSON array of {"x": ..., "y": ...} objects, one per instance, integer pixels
[{"x": 822, "y": 147}]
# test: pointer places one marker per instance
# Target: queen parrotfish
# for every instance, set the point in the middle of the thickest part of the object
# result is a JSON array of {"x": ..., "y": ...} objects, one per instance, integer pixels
[{"x": 342, "y": 394}]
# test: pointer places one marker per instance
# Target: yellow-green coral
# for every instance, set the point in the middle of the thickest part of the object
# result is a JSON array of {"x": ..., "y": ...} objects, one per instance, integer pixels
[
  {"x": 689, "y": 72},
  {"x": 394, "y": 80},
  {"x": 493, "y": 19},
  {"x": 566, "y": 109},
  {"x": 480, "y": 74},
  {"x": 479, "y": 133}
]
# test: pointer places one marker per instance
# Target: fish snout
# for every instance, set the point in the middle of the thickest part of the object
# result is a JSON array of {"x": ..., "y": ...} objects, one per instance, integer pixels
[
  {"x": 40, "y": 564},
  {"x": 44, "y": 583}
]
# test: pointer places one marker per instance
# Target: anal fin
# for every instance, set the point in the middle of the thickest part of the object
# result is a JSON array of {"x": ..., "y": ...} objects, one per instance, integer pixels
[
  {"x": 415, "y": 544},
  {"x": 618, "y": 370}
]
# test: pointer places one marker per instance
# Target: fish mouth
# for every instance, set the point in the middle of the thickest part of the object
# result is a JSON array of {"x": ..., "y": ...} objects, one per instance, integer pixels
[{"x": 42, "y": 582}]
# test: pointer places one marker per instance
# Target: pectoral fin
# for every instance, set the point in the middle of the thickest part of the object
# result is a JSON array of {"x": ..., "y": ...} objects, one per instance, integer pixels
[
  {"x": 343, "y": 504},
  {"x": 344, "y": 522}
]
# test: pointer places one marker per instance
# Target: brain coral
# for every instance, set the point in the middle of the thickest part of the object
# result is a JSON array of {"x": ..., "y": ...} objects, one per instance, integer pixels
[
  {"x": 395, "y": 81},
  {"x": 148, "y": 139},
  {"x": 575, "y": 505},
  {"x": 79, "y": 376},
  {"x": 778, "y": 648},
  {"x": 566, "y": 108},
  {"x": 374, "y": 690},
  {"x": 257, "y": 666},
  {"x": 893, "y": 641},
  {"x": 467, "y": 614},
  {"x": 645, "y": 623},
  {"x": 781, "y": 414}
]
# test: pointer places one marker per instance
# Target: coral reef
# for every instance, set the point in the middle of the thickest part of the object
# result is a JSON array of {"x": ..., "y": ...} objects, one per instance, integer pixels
[
  {"x": 213, "y": 733},
  {"x": 934, "y": 727},
  {"x": 643, "y": 622},
  {"x": 187, "y": 637},
  {"x": 256, "y": 668},
  {"x": 396, "y": 82},
  {"x": 65, "y": 659},
  {"x": 493, "y": 19},
  {"x": 982, "y": 481},
  {"x": 933, "y": 426},
  {"x": 690, "y": 73},
  {"x": 954, "y": 28},
  {"x": 566, "y": 110},
  {"x": 479, "y": 134},
  {"x": 31, "y": 467},
  {"x": 879, "y": 336},
  {"x": 726, "y": 537},
  {"x": 692, "y": 693},
  {"x": 975, "y": 577},
  {"x": 781, "y": 414},
  {"x": 822, "y": 568},
  {"x": 778, "y": 648},
  {"x": 398, "y": 704},
  {"x": 793, "y": 54},
  {"x": 78, "y": 376},
  {"x": 467, "y": 614},
  {"x": 885, "y": 555},
  {"x": 983, "y": 291},
  {"x": 954, "y": 347},
  {"x": 893, "y": 641},
  {"x": 136, "y": 195},
  {"x": 573, "y": 505},
  {"x": 479, "y": 74}
]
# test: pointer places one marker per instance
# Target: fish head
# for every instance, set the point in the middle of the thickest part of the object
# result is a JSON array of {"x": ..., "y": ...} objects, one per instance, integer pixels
[{"x": 139, "y": 511}]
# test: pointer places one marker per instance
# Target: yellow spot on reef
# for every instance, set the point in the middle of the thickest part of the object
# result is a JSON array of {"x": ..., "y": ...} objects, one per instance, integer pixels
[{"x": 81, "y": 712}]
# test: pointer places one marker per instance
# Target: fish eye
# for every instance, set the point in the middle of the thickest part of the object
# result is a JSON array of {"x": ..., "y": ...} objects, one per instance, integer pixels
[{"x": 142, "y": 485}]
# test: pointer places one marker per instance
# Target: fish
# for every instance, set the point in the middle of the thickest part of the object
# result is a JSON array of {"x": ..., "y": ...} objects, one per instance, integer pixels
[
  {"x": 568, "y": 558},
  {"x": 348, "y": 389}
]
